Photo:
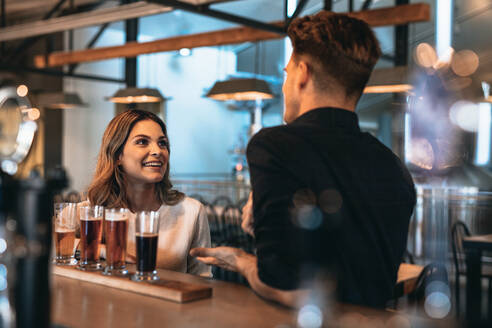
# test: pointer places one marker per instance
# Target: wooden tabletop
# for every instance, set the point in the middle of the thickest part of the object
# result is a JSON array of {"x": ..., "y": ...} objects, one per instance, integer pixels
[
  {"x": 77, "y": 303},
  {"x": 483, "y": 242}
]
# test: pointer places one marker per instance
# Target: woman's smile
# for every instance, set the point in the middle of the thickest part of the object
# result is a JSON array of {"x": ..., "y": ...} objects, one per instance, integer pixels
[{"x": 145, "y": 154}]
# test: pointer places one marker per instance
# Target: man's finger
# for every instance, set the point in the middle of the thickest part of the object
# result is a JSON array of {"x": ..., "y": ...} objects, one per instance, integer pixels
[
  {"x": 202, "y": 252},
  {"x": 208, "y": 260}
]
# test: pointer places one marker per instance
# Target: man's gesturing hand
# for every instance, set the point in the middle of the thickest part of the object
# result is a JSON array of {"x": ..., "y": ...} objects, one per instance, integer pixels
[{"x": 229, "y": 258}]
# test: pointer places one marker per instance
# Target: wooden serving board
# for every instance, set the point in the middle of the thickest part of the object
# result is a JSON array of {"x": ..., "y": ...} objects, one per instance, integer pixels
[{"x": 171, "y": 290}]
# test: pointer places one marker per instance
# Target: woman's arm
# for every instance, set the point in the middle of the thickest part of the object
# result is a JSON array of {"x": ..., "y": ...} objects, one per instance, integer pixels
[{"x": 201, "y": 238}]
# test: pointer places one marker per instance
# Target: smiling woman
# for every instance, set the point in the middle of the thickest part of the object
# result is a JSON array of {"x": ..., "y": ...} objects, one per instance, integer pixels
[{"x": 133, "y": 172}]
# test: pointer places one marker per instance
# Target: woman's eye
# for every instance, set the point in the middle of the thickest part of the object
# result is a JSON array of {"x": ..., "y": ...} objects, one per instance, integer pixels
[
  {"x": 141, "y": 142},
  {"x": 163, "y": 143}
]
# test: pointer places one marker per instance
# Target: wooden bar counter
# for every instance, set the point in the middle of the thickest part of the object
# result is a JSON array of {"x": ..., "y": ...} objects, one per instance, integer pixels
[{"x": 77, "y": 303}]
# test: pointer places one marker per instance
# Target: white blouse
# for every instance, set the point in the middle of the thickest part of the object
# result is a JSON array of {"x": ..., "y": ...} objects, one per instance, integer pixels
[{"x": 181, "y": 227}]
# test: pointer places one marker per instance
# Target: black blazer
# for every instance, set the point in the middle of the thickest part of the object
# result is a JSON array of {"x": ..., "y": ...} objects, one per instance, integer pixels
[{"x": 329, "y": 200}]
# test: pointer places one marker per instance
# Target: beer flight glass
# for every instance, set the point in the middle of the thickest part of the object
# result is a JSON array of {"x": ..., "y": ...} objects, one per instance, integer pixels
[
  {"x": 146, "y": 238},
  {"x": 64, "y": 223},
  {"x": 91, "y": 228},
  {"x": 115, "y": 234}
]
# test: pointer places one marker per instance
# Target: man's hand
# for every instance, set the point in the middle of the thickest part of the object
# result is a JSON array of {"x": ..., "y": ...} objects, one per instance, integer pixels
[
  {"x": 229, "y": 258},
  {"x": 247, "y": 217}
]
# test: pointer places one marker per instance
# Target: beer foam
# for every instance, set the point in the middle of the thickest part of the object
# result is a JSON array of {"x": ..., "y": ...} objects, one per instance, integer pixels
[
  {"x": 62, "y": 229},
  {"x": 99, "y": 218},
  {"x": 146, "y": 234},
  {"x": 116, "y": 217}
]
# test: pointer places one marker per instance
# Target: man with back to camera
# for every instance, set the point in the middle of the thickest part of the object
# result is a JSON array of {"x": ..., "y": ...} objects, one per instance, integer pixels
[{"x": 327, "y": 198}]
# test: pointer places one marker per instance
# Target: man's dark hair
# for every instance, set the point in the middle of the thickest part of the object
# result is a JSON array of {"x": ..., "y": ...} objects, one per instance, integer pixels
[{"x": 344, "y": 48}]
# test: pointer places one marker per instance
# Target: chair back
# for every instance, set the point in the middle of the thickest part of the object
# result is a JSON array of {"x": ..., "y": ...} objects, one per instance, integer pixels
[
  {"x": 459, "y": 230},
  {"x": 222, "y": 201},
  {"x": 431, "y": 272},
  {"x": 408, "y": 257}
]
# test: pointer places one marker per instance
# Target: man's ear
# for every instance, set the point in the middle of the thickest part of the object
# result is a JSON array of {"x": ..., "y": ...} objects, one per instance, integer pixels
[{"x": 304, "y": 73}]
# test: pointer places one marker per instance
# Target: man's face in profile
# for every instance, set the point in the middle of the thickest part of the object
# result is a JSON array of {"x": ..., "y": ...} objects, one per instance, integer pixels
[{"x": 291, "y": 99}]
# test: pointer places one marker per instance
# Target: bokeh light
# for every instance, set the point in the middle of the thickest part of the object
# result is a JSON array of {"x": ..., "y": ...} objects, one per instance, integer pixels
[
  {"x": 421, "y": 153},
  {"x": 3, "y": 245},
  {"x": 3, "y": 283},
  {"x": 22, "y": 90},
  {"x": 33, "y": 114},
  {"x": 308, "y": 217},
  {"x": 304, "y": 197},
  {"x": 437, "y": 305},
  {"x": 464, "y": 63},
  {"x": 330, "y": 201},
  {"x": 310, "y": 316},
  {"x": 465, "y": 114},
  {"x": 425, "y": 55}
]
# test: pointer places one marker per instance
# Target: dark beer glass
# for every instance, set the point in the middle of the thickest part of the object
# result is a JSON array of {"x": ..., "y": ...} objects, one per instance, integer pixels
[
  {"x": 91, "y": 227},
  {"x": 115, "y": 234},
  {"x": 64, "y": 221},
  {"x": 146, "y": 240}
]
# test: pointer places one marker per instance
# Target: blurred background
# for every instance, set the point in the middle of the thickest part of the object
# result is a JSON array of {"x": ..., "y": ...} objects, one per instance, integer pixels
[{"x": 428, "y": 99}]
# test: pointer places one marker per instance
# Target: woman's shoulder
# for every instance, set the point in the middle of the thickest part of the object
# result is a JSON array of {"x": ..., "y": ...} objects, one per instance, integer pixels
[
  {"x": 187, "y": 205},
  {"x": 191, "y": 203}
]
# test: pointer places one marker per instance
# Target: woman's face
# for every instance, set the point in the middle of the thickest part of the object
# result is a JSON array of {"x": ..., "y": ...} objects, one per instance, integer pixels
[{"x": 145, "y": 155}]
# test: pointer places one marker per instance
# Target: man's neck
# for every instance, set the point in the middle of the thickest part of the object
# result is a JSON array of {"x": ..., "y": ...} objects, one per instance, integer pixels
[{"x": 311, "y": 103}]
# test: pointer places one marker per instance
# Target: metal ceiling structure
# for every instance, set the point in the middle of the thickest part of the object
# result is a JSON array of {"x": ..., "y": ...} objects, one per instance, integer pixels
[{"x": 131, "y": 10}]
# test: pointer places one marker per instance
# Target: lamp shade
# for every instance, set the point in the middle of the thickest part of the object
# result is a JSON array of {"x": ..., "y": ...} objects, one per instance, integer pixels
[
  {"x": 240, "y": 89},
  {"x": 61, "y": 100},
  {"x": 389, "y": 80},
  {"x": 137, "y": 95}
]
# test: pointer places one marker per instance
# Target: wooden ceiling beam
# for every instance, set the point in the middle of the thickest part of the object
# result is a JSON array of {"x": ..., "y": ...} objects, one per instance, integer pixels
[{"x": 399, "y": 15}]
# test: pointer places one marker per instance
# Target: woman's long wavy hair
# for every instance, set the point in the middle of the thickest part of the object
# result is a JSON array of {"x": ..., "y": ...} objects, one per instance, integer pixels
[{"x": 108, "y": 184}]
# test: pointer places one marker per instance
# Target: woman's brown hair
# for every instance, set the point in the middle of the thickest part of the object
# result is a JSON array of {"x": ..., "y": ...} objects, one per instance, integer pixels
[{"x": 108, "y": 184}]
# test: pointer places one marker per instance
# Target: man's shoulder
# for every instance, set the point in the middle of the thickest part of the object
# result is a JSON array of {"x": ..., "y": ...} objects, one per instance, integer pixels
[
  {"x": 272, "y": 135},
  {"x": 273, "y": 131}
]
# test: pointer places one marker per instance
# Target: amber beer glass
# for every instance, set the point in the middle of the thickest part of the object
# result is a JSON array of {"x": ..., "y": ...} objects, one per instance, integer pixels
[
  {"x": 64, "y": 222},
  {"x": 116, "y": 233},
  {"x": 91, "y": 228},
  {"x": 146, "y": 239}
]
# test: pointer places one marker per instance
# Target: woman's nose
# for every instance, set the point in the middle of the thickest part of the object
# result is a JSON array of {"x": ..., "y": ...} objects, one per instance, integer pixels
[{"x": 155, "y": 149}]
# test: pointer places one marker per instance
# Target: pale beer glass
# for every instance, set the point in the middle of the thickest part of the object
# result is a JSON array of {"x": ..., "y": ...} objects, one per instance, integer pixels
[
  {"x": 91, "y": 228},
  {"x": 64, "y": 224},
  {"x": 146, "y": 240},
  {"x": 116, "y": 235}
]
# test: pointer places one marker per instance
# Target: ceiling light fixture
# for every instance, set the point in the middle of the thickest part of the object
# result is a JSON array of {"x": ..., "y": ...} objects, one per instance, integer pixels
[
  {"x": 240, "y": 90},
  {"x": 137, "y": 96},
  {"x": 60, "y": 100}
]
